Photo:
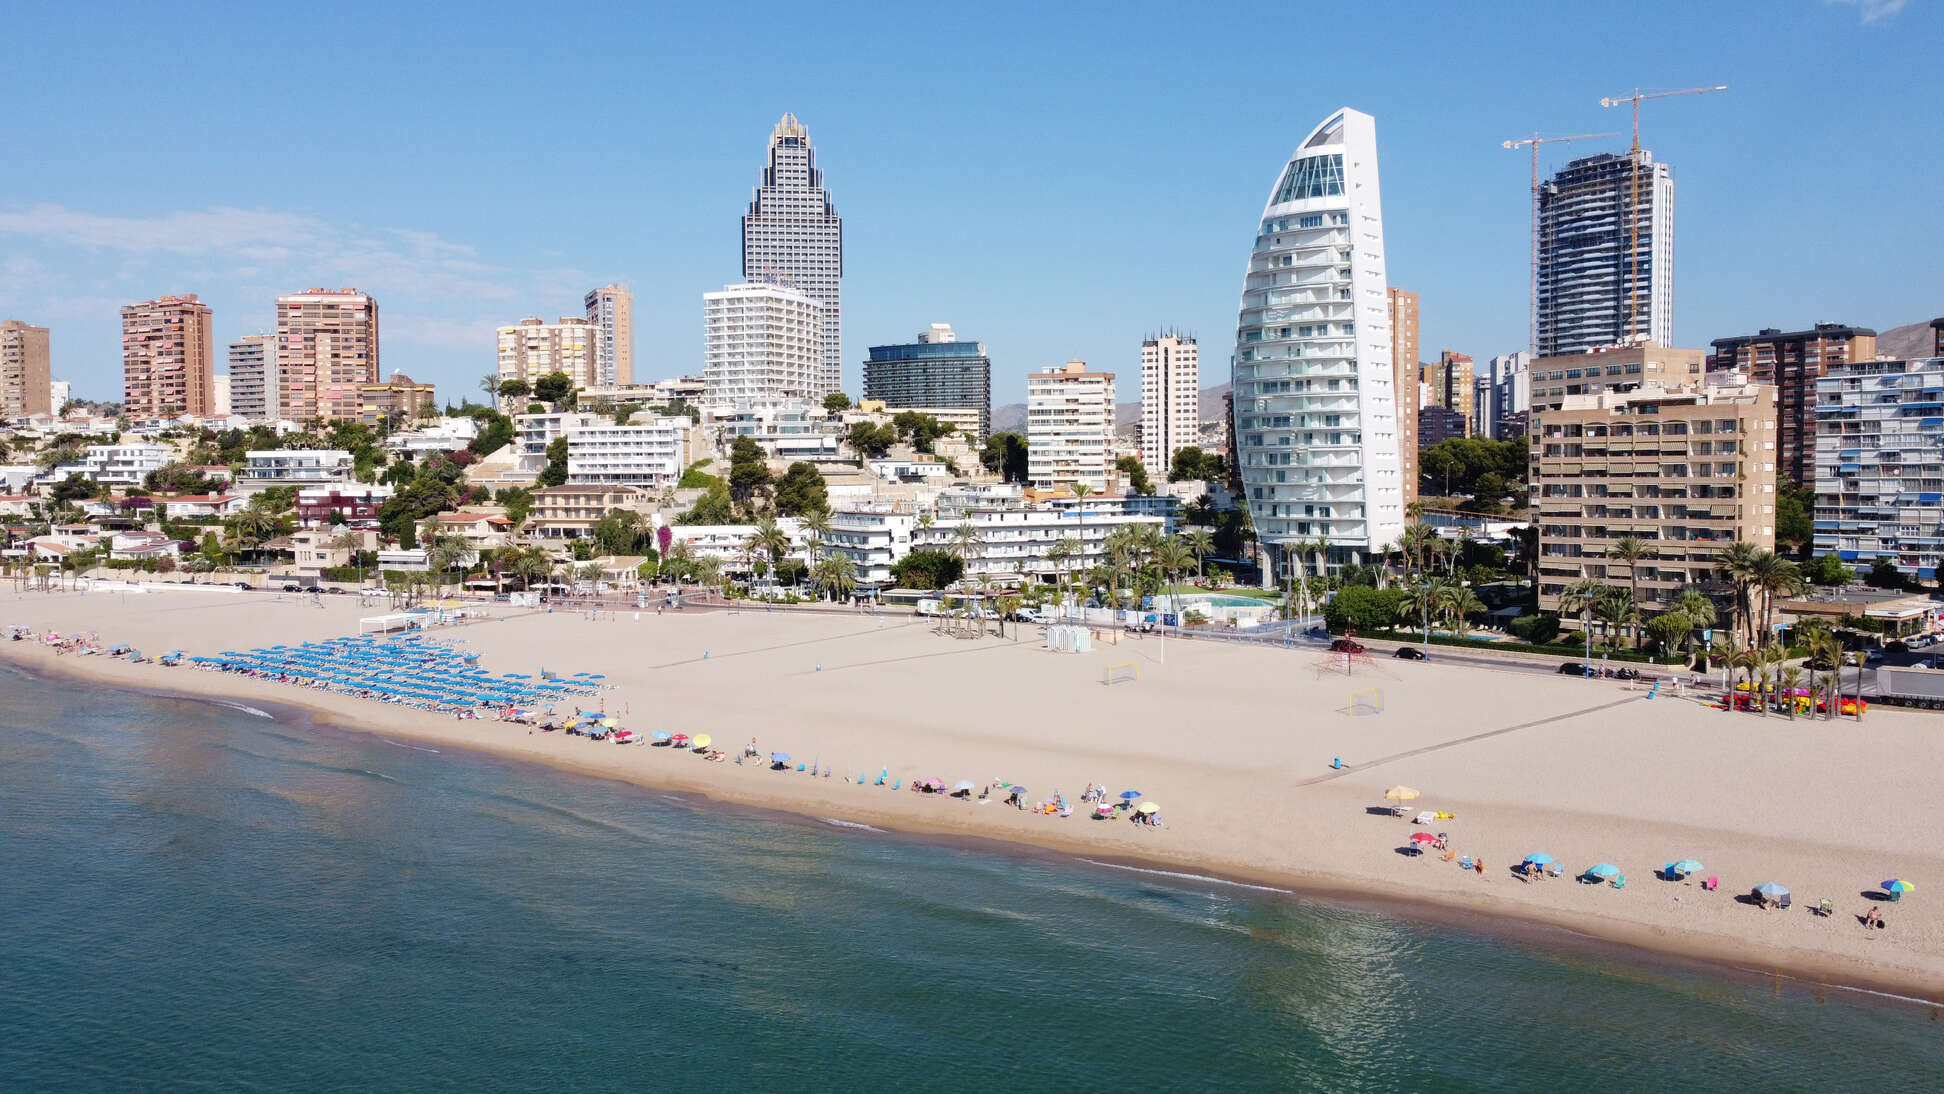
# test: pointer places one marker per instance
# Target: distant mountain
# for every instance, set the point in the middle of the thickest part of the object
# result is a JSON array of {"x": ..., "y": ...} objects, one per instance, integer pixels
[
  {"x": 1012, "y": 416},
  {"x": 1905, "y": 342}
]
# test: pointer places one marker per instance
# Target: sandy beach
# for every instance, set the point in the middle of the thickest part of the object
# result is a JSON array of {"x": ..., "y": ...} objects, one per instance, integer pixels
[{"x": 1235, "y": 744}]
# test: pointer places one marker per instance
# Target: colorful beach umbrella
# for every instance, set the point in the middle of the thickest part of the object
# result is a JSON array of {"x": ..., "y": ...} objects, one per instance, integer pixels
[
  {"x": 659, "y": 735},
  {"x": 1898, "y": 885},
  {"x": 780, "y": 757},
  {"x": 1601, "y": 870},
  {"x": 1684, "y": 867},
  {"x": 1771, "y": 890},
  {"x": 1148, "y": 807},
  {"x": 1401, "y": 793},
  {"x": 963, "y": 784},
  {"x": 1539, "y": 858},
  {"x": 1416, "y": 837},
  {"x": 1129, "y": 795},
  {"x": 702, "y": 740}
]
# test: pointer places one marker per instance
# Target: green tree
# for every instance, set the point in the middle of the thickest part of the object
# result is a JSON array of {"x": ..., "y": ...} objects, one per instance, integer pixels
[
  {"x": 445, "y": 553},
  {"x": 1696, "y": 608},
  {"x": 555, "y": 473},
  {"x": 1579, "y": 599},
  {"x": 770, "y": 539},
  {"x": 1137, "y": 476},
  {"x": 1004, "y": 454},
  {"x": 556, "y": 389},
  {"x": 1883, "y": 575},
  {"x": 801, "y": 491},
  {"x": 1616, "y": 608},
  {"x": 749, "y": 471},
  {"x": 928, "y": 569},
  {"x": 514, "y": 390},
  {"x": 1828, "y": 570},
  {"x": 869, "y": 440},
  {"x": 1735, "y": 564},
  {"x": 1630, "y": 551},
  {"x": 622, "y": 532},
  {"x": 837, "y": 402},
  {"x": 1774, "y": 577},
  {"x": 967, "y": 540},
  {"x": 837, "y": 576},
  {"x": 714, "y": 507},
  {"x": 1794, "y": 528},
  {"x": 1191, "y": 464},
  {"x": 1362, "y": 609},
  {"x": 1670, "y": 630}
]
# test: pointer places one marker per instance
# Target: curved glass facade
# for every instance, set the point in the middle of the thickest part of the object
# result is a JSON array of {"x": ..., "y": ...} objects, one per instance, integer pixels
[{"x": 1315, "y": 418}]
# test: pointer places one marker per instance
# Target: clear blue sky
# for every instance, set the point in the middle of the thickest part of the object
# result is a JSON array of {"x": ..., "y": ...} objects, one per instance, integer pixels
[{"x": 1053, "y": 180}]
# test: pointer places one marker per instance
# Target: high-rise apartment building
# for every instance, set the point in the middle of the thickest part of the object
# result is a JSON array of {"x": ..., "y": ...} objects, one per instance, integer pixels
[
  {"x": 1069, "y": 427},
  {"x": 610, "y": 310},
  {"x": 1170, "y": 400},
  {"x": 1315, "y": 392},
  {"x": 1452, "y": 379},
  {"x": 1793, "y": 362},
  {"x": 792, "y": 233},
  {"x": 531, "y": 349},
  {"x": 1622, "y": 369},
  {"x": 1688, "y": 471},
  {"x": 936, "y": 371},
  {"x": 327, "y": 349},
  {"x": 1879, "y": 447},
  {"x": 398, "y": 401},
  {"x": 167, "y": 357},
  {"x": 1501, "y": 396},
  {"x": 26, "y": 376},
  {"x": 219, "y": 394},
  {"x": 1404, "y": 381},
  {"x": 761, "y": 343},
  {"x": 253, "y": 377},
  {"x": 1594, "y": 290}
]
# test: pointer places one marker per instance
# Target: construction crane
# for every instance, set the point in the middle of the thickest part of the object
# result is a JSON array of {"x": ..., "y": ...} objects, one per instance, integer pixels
[
  {"x": 1633, "y": 190},
  {"x": 1535, "y": 141}
]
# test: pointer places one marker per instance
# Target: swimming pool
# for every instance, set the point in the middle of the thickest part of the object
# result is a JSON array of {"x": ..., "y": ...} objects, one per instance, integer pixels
[{"x": 1222, "y": 600}]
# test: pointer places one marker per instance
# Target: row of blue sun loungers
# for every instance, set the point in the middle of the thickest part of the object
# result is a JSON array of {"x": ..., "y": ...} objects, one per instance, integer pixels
[{"x": 409, "y": 671}]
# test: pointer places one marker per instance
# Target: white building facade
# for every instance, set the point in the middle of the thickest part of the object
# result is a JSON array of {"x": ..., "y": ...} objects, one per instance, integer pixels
[
  {"x": 117, "y": 464},
  {"x": 1879, "y": 448},
  {"x": 651, "y": 455},
  {"x": 1170, "y": 400},
  {"x": 294, "y": 467},
  {"x": 761, "y": 342},
  {"x": 1069, "y": 427},
  {"x": 874, "y": 537},
  {"x": 1315, "y": 399},
  {"x": 1014, "y": 538}
]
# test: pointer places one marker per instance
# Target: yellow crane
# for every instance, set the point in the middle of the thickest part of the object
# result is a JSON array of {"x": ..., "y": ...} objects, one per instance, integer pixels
[
  {"x": 1535, "y": 141},
  {"x": 1633, "y": 190}
]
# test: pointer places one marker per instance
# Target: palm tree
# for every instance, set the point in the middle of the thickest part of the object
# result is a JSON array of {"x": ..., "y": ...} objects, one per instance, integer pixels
[
  {"x": 1080, "y": 492},
  {"x": 770, "y": 539},
  {"x": 837, "y": 575},
  {"x": 1774, "y": 576},
  {"x": 1616, "y": 608},
  {"x": 967, "y": 539},
  {"x": 445, "y": 553},
  {"x": 1580, "y": 597},
  {"x": 528, "y": 564},
  {"x": 1697, "y": 608},
  {"x": 1826, "y": 647},
  {"x": 353, "y": 542},
  {"x": 1416, "y": 544},
  {"x": 1736, "y": 565},
  {"x": 1749, "y": 661},
  {"x": 1631, "y": 550},
  {"x": 1791, "y": 680},
  {"x": 1201, "y": 541},
  {"x": 1424, "y": 600},
  {"x": 816, "y": 523},
  {"x": 1460, "y": 604},
  {"x": 1173, "y": 556}
]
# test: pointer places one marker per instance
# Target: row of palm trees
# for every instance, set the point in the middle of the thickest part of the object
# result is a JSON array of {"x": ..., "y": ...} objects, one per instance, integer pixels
[
  {"x": 1772, "y": 682},
  {"x": 833, "y": 575}
]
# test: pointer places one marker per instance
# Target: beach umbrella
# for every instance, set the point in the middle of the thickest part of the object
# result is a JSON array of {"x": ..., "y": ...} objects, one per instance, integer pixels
[
  {"x": 659, "y": 735},
  {"x": 963, "y": 784},
  {"x": 702, "y": 740},
  {"x": 1684, "y": 867},
  {"x": 1539, "y": 858},
  {"x": 1604, "y": 869},
  {"x": 1771, "y": 890},
  {"x": 1401, "y": 793},
  {"x": 1148, "y": 807},
  {"x": 1103, "y": 809},
  {"x": 608, "y": 723},
  {"x": 1019, "y": 790},
  {"x": 1416, "y": 837},
  {"x": 1129, "y": 795},
  {"x": 780, "y": 757},
  {"x": 1898, "y": 886}
]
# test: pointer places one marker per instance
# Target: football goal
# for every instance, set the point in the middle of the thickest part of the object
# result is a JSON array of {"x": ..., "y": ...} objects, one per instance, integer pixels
[
  {"x": 1367, "y": 701},
  {"x": 1125, "y": 673}
]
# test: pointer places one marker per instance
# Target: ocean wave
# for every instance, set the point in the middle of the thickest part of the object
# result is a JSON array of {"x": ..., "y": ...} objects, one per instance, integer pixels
[
  {"x": 1179, "y": 876},
  {"x": 242, "y": 707},
  {"x": 1919, "y": 1000},
  {"x": 414, "y": 748},
  {"x": 849, "y": 824}
]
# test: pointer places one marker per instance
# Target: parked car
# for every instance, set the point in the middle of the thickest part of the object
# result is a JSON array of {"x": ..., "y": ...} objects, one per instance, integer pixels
[
  {"x": 242, "y": 584},
  {"x": 292, "y": 587},
  {"x": 1346, "y": 645},
  {"x": 334, "y": 589},
  {"x": 1896, "y": 645},
  {"x": 1575, "y": 668},
  {"x": 1874, "y": 657},
  {"x": 1409, "y": 653},
  {"x": 1820, "y": 664}
]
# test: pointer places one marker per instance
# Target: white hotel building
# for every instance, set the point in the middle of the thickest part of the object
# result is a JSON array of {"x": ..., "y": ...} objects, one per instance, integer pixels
[
  {"x": 760, "y": 343},
  {"x": 873, "y": 536},
  {"x": 1069, "y": 427},
  {"x": 1315, "y": 402},
  {"x": 1014, "y": 537},
  {"x": 650, "y": 455},
  {"x": 1170, "y": 400}
]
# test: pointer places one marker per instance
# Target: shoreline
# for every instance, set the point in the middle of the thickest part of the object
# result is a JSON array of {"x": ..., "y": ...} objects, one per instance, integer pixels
[{"x": 1481, "y": 914}]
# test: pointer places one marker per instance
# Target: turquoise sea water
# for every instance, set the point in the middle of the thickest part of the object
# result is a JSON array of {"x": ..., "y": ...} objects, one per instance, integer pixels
[{"x": 196, "y": 898}]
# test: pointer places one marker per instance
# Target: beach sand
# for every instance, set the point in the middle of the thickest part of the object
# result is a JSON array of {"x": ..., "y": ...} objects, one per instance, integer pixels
[{"x": 1234, "y": 743}]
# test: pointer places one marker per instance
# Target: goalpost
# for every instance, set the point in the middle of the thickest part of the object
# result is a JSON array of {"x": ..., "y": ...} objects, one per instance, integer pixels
[
  {"x": 1127, "y": 672},
  {"x": 1367, "y": 701}
]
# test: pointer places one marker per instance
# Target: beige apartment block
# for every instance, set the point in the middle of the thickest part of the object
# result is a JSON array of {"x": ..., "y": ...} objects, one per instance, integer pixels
[
  {"x": 327, "y": 350},
  {"x": 1620, "y": 368},
  {"x": 532, "y": 349},
  {"x": 1687, "y": 470},
  {"x": 168, "y": 357},
  {"x": 25, "y": 371},
  {"x": 1404, "y": 378},
  {"x": 398, "y": 399},
  {"x": 610, "y": 310},
  {"x": 1452, "y": 379}
]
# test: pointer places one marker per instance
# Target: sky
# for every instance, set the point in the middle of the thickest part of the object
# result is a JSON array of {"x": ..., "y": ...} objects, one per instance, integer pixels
[{"x": 1054, "y": 180}]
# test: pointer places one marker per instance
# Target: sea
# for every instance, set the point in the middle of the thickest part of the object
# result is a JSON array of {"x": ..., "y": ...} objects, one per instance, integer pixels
[{"x": 199, "y": 896}]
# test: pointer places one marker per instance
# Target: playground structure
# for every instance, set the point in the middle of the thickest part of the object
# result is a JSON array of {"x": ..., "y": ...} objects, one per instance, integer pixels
[
  {"x": 1344, "y": 661},
  {"x": 1125, "y": 673}
]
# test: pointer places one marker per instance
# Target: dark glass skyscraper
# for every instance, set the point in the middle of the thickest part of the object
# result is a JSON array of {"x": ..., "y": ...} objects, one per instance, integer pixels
[
  {"x": 936, "y": 372},
  {"x": 792, "y": 234}
]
